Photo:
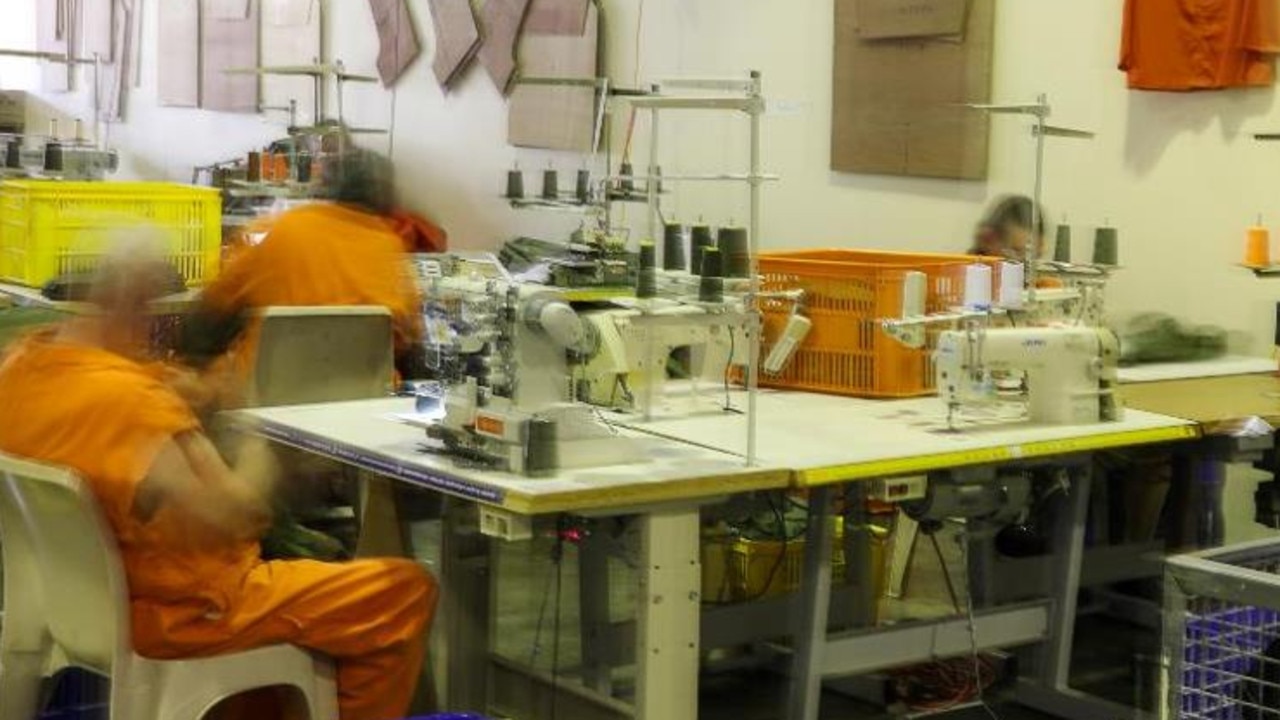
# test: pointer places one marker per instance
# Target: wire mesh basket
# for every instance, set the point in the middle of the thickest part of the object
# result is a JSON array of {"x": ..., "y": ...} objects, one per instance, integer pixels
[{"x": 1222, "y": 633}]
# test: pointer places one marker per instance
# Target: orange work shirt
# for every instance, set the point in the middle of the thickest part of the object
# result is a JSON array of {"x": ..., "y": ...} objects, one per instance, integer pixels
[
  {"x": 1199, "y": 44},
  {"x": 323, "y": 255},
  {"x": 106, "y": 418}
]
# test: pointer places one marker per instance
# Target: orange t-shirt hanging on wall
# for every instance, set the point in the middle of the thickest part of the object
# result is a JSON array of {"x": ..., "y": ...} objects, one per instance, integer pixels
[{"x": 1199, "y": 44}]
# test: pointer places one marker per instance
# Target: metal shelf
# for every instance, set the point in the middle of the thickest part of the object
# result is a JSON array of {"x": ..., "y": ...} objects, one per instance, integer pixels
[{"x": 709, "y": 102}]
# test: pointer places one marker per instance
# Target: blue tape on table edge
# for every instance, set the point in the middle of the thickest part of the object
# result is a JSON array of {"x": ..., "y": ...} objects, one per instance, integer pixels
[{"x": 383, "y": 466}]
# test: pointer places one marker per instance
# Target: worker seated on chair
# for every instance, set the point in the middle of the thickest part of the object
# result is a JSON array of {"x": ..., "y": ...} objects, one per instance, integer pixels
[
  {"x": 81, "y": 396},
  {"x": 343, "y": 252}
]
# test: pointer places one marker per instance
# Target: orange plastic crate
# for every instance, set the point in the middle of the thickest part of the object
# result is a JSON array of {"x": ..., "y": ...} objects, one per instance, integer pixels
[{"x": 847, "y": 294}]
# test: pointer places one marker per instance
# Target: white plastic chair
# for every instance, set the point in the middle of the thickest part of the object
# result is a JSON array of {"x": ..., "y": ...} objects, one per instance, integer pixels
[
  {"x": 67, "y": 605},
  {"x": 322, "y": 354}
]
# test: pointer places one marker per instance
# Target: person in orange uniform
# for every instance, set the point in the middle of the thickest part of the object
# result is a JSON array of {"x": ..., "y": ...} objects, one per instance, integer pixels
[
  {"x": 187, "y": 523},
  {"x": 1005, "y": 230},
  {"x": 333, "y": 253}
]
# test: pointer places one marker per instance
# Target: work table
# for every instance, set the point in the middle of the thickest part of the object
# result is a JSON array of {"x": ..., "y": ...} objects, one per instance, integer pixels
[{"x": 1217, "y": 404}]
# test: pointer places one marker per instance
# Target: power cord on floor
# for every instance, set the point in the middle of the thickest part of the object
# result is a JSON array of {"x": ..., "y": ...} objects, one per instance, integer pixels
[
  {"x": 962, "y": 538},
  {"x": 555, "y": 581},
  {"x": 557, "y": 559},
  {"x": 947, "y": 684}
]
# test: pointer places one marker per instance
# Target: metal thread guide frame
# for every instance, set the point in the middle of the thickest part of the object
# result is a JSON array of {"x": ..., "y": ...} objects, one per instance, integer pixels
[{"x": 737, "y": 95}]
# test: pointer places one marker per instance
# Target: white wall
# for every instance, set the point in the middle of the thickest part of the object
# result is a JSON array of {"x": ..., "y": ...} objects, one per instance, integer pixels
[{"x": 1178, "y": 174}]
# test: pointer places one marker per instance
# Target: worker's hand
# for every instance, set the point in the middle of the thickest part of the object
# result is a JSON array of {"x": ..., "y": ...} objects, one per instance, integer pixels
[
  {"x": 255, "y": 461},
  {"x": 189, "y": 474},
  {"x": 190, "y": 386}
]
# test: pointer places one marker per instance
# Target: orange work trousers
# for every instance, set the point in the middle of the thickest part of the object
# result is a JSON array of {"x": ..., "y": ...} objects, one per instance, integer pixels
[{"x": 370, "y": 616}]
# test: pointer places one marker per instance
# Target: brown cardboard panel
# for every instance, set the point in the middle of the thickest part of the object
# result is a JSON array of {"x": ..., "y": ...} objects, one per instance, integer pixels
[
  {"x": 552, "y": 117},
  {"x": 896, "y": 104},
  {"x": 556, "y": 17},
  {"x": 881, "y": 19}
]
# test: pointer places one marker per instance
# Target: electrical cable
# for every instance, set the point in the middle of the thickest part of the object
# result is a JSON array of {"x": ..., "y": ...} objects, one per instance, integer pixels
[
  {"x": 558, "y": 562},
  {"x": 946, "y": 574},
  {"x": 728, "y": 367},
  {"x": 973, "y": 630}
]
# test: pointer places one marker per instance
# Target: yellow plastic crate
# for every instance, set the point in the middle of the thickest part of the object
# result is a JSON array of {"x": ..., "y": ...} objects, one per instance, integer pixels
[
  {"x": 49, "y": 228},
  {"x": 755, "y": 572}
]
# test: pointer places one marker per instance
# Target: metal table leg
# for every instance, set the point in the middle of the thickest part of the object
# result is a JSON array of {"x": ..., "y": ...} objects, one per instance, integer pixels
[
  {"x": 811, "y": 618},
  {"x": 669, "y": 615},
  {"x": 1068, "y": 555},
  {"x": 463, "y": 628},
  {"x": 593, "y": 604},
  {"x": 1049, "y": 689},
  {"x": 859, "y": 568}
]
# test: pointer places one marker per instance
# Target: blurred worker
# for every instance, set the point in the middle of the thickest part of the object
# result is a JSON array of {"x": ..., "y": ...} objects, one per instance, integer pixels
[
  {"x": 187, "y": 523},
  {"x": 342, "y": 252},
  {"x": 1005, "y": 230}
]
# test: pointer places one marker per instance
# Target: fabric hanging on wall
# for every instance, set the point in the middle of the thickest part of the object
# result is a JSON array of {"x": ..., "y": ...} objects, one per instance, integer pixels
[
  {"x": 228, "y": 41},
  {"x": 55, "y": 32},
  {"x": 1197, "y": 45},
  {"x": 502, "y": 20},
  {"x": 557, "y": 17},
  {"x": 397, "y": 39},
  {"x": 178, "y": 53},
  {"x": 290, "y": 36},
  {"x": 98, "y": 33},
  {"x": 457, "y": 39}
]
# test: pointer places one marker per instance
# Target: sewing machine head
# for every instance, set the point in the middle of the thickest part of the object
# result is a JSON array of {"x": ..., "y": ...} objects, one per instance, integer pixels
[
  {"x": 1070, "y": 372},
  {"x": 502, "y": 352}
]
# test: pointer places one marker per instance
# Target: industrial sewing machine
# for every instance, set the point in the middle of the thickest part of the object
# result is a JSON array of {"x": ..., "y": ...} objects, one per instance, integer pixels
[
  {"x": 1070, "y": 372},
  {"x": 73, "y": 158},
  {"x": 638, "y": 351},
  {"x": 504, "y": 355}
]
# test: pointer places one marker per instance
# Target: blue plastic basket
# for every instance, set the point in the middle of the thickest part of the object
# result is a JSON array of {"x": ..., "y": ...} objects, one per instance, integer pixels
[
  {"x": 1220, "y": 652},
  {"x": 77, "y": 695}
]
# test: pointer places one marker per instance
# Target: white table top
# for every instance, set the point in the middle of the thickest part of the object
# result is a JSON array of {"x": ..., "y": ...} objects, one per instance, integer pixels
[
  {"x": 829, "y": 439},
  {"x": 32, "y": 296},
  {"x": 1217, "y": 367},
  {"x": 359, "y": 433}
]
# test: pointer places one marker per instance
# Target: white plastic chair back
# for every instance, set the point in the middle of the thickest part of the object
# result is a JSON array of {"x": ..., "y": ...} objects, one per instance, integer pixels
[
  {"x": 322, "y": 354},
  {"x": 59, "y": 551}
]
